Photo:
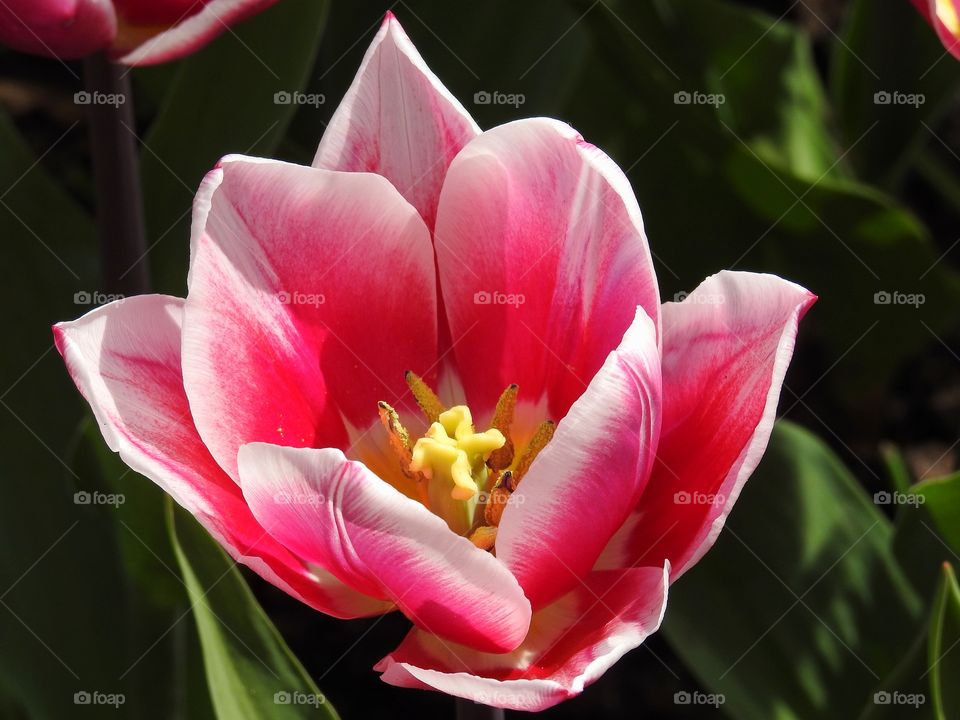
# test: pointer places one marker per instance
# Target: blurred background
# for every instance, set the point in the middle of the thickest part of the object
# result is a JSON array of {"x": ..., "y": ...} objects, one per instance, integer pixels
[{"x": 816, "y": 140}]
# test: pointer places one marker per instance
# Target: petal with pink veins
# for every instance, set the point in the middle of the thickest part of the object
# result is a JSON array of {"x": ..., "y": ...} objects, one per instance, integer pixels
[
  {"x": 582, "y": 486},
  {"x": 571, "y": 643},
  {"x": 310, "y": 292},
  {"x": 397, "y": 120},
  {"x": 542, "y": 260},
  {"x": 125, "y": 360},
  {"x": 337, "y": 514},
  {"x": 726, "y": 349},
  {"x": 202, "y": 21}
]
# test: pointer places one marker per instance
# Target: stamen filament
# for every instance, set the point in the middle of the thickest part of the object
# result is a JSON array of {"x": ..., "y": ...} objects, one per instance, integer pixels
[
  {"x": 502, "y": 420},
  {"x": 397, "y": 433},
  {"x": 495, "y": 505},
  {"x": 425, "y": 397},
  {"x": 541, "y": 437},
  {"x": 463, "y": 475},
  {"x": 399, "y": 440}
]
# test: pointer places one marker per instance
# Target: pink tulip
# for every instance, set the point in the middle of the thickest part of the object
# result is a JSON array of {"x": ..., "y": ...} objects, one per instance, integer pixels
[
  {"x": 477, "y": 260},
  {"x": 135, "y": 32},
  {"x": 944, "y": 15}
]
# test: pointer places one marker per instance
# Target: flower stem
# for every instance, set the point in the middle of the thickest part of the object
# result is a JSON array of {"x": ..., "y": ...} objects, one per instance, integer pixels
[
  {"x": 123, "y": 245},
  {"x": 469, "y": 710}
]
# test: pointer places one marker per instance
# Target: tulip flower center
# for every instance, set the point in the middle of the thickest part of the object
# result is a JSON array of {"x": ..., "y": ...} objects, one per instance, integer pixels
[
  {"x": 455, "y": 453},
  {"x": 464, "y": 476}
]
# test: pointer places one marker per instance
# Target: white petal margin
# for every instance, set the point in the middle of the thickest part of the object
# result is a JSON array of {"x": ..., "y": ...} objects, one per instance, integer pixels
[
  {"x": 584, "y": 483},
  {"x": 726, "y": 350},
  {"x": 193, "y": 31},
  {"x": 397, "y": 120},
  {"x": 542, "y": 260},
  {"x": 570, "y": 645},
  {"x": 125, "y": 359},
  {"x": 337, "y": 514}
]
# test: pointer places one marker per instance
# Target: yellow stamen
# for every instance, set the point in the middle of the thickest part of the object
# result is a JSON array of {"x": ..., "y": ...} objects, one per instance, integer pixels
[
  {"x": 495, "y": 505},
  {"x": 541, "y": 437},
  {"x": 484, "y": 537},
  {"x": 425, "y": 397},
  {"x": 453, "y": 449},
  {"x": 462, "y": 475},
  {"x": 399, "y": 440},
  {"x": 397, "y": 433},
  {"x": 502, "y": 420}
]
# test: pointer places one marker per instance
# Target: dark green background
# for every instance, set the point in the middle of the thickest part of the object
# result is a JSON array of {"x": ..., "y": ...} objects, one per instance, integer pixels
[{"x": 815, "y": 597}]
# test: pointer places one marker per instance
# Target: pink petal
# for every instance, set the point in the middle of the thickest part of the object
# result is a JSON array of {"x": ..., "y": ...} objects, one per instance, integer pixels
[
  {"x": 945, "y": 17},
  {"x": 310, "y": 293},
  {"x": 192, "y": 32},
  {"x": 542, "y": 261},
  {"x": 57, "y": 28},
  {"x": 125, "y": 360},
  {"x": 924, "y": 7},
  {"x": 337, "y": 514},
  {"x": 726, "y": 349},
  {"x": 583, "y": 485},
  {"x": 571, "y": 643},
  {"x": 157, "y": 12},
  {"x": 397, "y": 120}
]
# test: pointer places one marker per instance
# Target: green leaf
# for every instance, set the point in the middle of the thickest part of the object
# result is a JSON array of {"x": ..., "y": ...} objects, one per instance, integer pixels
[
  {"x": 942, "y": 500},
  {"x": 904, "y": 691},
  {"x": 761, "y": 70},
  {"x": 917, "y": 545},
  {"x": 924, "y": 684},
  {"x": 943, "y": 656},
  {"x": 800, "y": 608},
  {"x": 881, "y": 285},
  {"x": 74, "y": 614},
  {"x": 887, "y": 47},
  {"x": 167, "y": 679},
  {"x": 897, "y": 468},
  {"x": 61, "y": 587},
  {"x": 926, "y": 514},
  {"x": 725, "y": 187},
  {"x": 250, "y": 670},
  {"x": 222, "y": 102}
]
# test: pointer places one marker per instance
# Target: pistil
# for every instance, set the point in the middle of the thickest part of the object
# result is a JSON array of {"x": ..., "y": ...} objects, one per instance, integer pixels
[
  {"x": 453, "y": 451},
  {"x": 464, "y": 476}
]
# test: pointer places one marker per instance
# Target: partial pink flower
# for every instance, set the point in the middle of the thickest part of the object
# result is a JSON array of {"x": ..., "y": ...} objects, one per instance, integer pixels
[
  {"x": 134, "y": 32},
  {"x": 432, "y": 373},
  {"x": 944, "y": 15}
]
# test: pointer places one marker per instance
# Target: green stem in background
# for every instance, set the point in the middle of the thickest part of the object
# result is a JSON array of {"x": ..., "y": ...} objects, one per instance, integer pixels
[
  {"x": 123, "y": 245},
  {"x": 469, "y": 710}
]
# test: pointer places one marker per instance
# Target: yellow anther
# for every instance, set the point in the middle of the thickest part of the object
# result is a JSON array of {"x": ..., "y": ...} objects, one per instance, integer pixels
[
  {"x": 425, "y": 397},
  {"x": 462, "y": 475},
  {"x": 484, "y": 537},
  {"x": 495, "y": 505},
  {"x": 502, "y": 420},
  {"x": 397, "y": 433},
  {"x": 541, "y": 437},
  {"x": 453, "y": 449},
  {"x": 399, "y": 440}
]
